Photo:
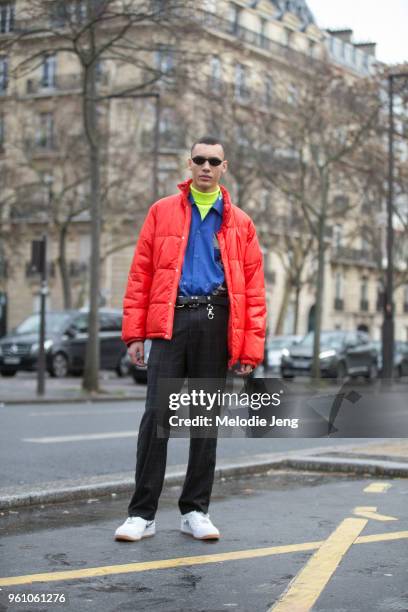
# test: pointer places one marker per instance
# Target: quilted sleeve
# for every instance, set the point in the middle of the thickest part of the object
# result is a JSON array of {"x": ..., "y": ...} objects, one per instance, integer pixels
[
  {"x": 136, "y": 298},
  {"x": 255, "y": 303}
]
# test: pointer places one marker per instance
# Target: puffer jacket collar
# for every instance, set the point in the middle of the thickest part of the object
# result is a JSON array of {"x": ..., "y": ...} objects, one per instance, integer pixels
[{"x": 185, "y": 190}]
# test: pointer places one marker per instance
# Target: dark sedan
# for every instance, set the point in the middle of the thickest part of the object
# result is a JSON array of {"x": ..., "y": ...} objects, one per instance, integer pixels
[
  {"x": 400, "y": 357},
  {"x": 342, "y": 354},
  {"x": 65, "y": 343}
]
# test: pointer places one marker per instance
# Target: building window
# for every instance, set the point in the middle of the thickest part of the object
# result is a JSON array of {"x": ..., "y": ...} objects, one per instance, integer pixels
[
  {"x": 216, "y": 75},
  {"x": 171, "y": 136},
  {"x": 233, "y": 16},
  {"x": 405, "y": 305},
  {"x": 288, "y": 37},
  {"x": 338, "y": 287},
  {"x": 241, "y": 90},
  {"x": 49, "y": 68},
  {"x": 2, "y": 132},
  {"x": 44, "y": 137},
  {"x": 292, "y": 93},
  {"x": 337, "y": 236},
  {"x": 7, "y": 17},
  {"x": 338, "y": 291},
  {"x": 364, "y": 295},
  {"x": 210, "y": 6},
  {"x": 268, "y": 91},
  {"x": 3, "y": 74},
  {"x": 165, "y": 60}
]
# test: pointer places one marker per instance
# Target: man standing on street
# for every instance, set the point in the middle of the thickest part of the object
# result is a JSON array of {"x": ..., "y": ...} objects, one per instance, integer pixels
[{"x": 196, "y": 288}]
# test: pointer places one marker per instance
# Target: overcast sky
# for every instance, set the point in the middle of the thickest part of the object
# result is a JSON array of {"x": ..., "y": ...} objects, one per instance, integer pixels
[{"x": 382, "y": 21}]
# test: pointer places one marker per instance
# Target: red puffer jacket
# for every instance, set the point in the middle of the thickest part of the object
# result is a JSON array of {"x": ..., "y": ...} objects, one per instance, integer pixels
[{"x": 148, "y": 305}]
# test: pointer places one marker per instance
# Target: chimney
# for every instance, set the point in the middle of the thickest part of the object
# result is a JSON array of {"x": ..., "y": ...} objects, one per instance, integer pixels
[
  {"x": 344, "y": 34},
  {"x": 367, "y": 47}
]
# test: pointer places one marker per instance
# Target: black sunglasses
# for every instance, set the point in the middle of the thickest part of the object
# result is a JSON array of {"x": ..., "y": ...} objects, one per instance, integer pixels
[{"x": 213, "y": 161}]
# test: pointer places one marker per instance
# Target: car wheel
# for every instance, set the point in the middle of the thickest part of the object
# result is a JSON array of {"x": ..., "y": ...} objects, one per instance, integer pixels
[
  {"x": 8, "y": 372},
  {"x": 341, "y": 372},
  {"x": 59, "y": 366},
  {"x": 122, "y": 368},
  {"x": 372, "y": 372},
  {"x": 398, "y": 372},
  {"x": 139, "y": 379}
]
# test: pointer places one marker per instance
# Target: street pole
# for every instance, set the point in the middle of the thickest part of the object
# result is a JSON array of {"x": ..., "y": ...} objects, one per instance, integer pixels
[
  {"x": 43, "y": 298},
  {"x": 388, "y": 322}
]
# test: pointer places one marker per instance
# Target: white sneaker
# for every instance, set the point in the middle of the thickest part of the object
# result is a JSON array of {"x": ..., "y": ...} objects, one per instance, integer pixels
[
  {"x": 135, "y": 528},
  {"x": 198, "y": 525}
]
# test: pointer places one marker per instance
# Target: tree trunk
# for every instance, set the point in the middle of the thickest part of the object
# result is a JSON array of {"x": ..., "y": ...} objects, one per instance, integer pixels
[
  {"x": 297, "y": 302},
  {"x": 283, "y": 308},
  {"x": 91, "y": 373},
  {"x": 63, "y": 268},
  {"x": 321, "y": 229}
]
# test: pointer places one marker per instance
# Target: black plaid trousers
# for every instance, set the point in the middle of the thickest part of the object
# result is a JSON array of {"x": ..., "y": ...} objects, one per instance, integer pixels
[{"x": 197, "y": 349}]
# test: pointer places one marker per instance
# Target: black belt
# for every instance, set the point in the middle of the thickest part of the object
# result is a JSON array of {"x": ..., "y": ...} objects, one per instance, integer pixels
[{"x": 196, "y": 300}]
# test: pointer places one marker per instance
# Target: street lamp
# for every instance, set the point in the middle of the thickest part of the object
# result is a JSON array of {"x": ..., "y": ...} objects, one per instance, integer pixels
[{"x": 388, "y": 322}]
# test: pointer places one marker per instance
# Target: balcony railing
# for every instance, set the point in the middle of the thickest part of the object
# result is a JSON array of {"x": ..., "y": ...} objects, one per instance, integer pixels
[
  {"x": 214, "y": 22},
  {"x": 354, "y": 256},
  {"x": 60, "y": 83},
  {"x": 31, "y": 272},
  {"x": 77, "y": 268}
]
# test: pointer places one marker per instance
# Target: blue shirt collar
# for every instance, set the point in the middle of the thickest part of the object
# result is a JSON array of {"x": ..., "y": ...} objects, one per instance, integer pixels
[{"x": 218, "y": 204}]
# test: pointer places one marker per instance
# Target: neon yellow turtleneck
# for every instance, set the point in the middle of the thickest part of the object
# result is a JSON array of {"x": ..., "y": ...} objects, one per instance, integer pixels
[{"x": 203, "y": 200}]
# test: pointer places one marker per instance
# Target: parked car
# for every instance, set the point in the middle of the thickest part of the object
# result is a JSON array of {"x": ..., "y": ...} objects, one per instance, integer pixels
[
  {"x": 273, "y": 351},
  {"x": 66, "y": 335},
  {"x": 342, "y": 354},
  {"x": 400, "y": 357},
  {"x": 139, "y": 373}
]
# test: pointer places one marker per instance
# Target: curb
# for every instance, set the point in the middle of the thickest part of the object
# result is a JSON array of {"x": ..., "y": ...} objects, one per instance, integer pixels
[
  {"x": 374, "y": 467},
  {"x": 388, "y": 469},
  {"x": 71, "y": 400}
]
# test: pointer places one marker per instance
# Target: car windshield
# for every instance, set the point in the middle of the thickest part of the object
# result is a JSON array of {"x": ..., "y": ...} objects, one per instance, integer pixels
[
  {"x": 327, "y": 340},
  {"x": 54, "y": 321},
  {"x": 279, "y": 343}
]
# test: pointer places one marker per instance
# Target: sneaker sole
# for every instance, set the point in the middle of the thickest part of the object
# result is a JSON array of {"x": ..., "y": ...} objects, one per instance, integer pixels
[
  {"x": 211, "y": 536},
  {"x": 125, "y": 538}
]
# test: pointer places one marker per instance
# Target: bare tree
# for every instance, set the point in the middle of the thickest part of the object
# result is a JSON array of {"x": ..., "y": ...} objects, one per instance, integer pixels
[
  {"x": 126, "y": 35},
  {"x": 327, "y": 124}
]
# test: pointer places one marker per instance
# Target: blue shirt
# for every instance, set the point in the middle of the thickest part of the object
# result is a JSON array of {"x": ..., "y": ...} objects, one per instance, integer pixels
[{"x": 202, "y": 270}]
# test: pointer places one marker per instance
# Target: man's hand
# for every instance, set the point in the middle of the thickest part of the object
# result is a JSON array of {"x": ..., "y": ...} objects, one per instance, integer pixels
[
  {"x": 136, "y": 353},
  {"x": 244, "y": 369}
]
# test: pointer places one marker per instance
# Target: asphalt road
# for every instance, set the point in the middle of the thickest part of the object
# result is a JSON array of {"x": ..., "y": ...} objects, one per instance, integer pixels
[
  {"x": 63, "y": 441},
  {"x": 286, "y": 540}
]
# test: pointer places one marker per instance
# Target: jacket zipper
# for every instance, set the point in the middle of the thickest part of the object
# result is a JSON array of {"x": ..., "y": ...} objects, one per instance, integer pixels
[
  {"x": 186, "y": 231},
  {"x": 220, "y": 237}
]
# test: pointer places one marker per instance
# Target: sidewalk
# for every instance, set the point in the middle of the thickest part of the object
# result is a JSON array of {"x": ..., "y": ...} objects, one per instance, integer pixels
[
  {"x": 22, "y": 388},
  {"x": 380, "y": 458},
  {"x": 271, "y": 529}
]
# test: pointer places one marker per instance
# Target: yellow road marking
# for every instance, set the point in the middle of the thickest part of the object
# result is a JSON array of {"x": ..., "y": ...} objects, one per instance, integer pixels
[
  {"x": 181, "y": 561},
  {"x": 306, "y": 587},
  {"x": 382, "y": 537},
  {"x": 377, "y": 487},
  {"x": 371, "y": 513},
  {"x": 159, "y": 564}
]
